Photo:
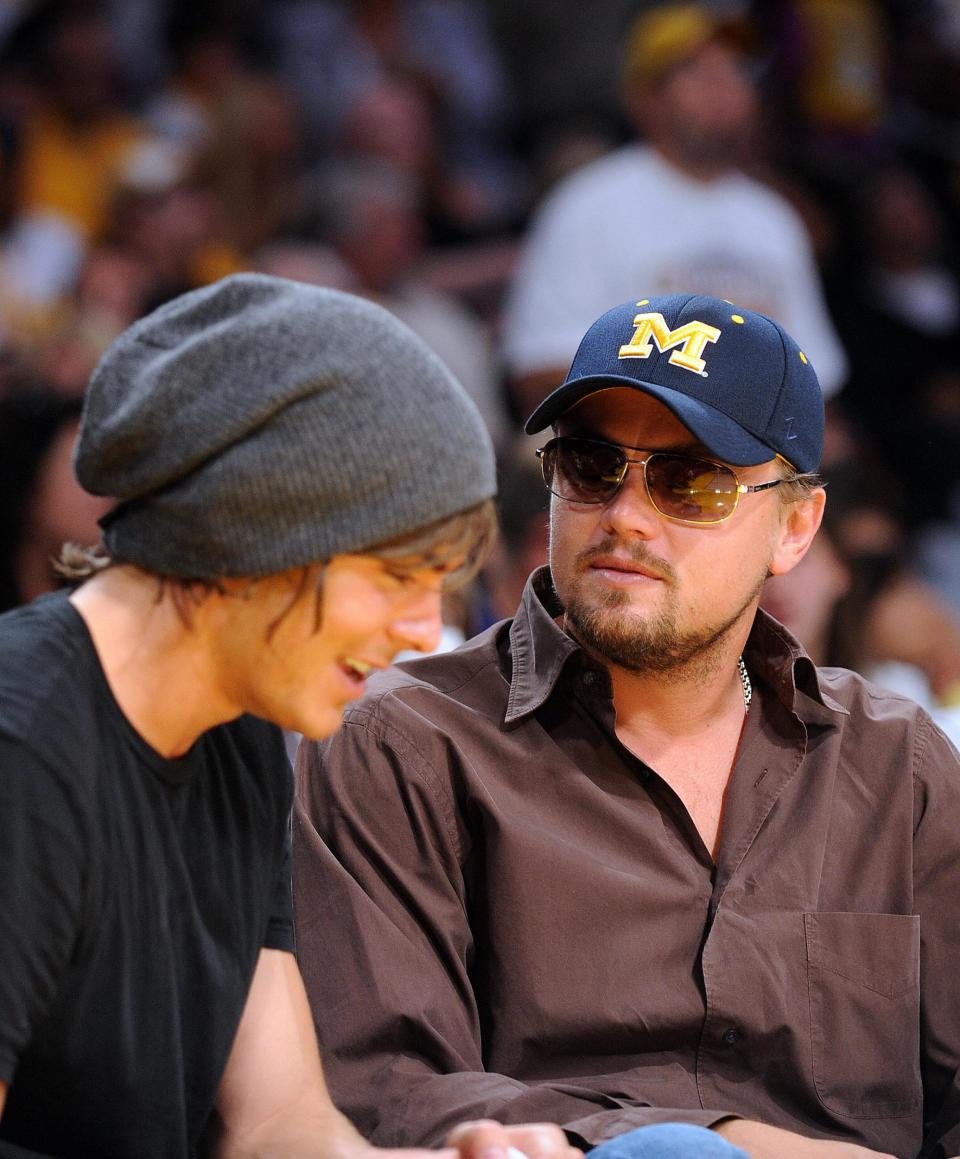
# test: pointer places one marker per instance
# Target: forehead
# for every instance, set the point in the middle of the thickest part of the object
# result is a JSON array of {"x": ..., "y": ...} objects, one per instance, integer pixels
[{"x": 626, "y": 416}]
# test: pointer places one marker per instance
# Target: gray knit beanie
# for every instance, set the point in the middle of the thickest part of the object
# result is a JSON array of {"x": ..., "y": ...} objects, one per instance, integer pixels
[{"x": 259, "y": 424}]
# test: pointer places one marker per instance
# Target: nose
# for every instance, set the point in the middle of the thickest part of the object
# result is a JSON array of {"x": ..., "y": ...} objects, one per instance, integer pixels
[
  {"x": 419, "y": 628},
  {"x": 630, "y": 511}
]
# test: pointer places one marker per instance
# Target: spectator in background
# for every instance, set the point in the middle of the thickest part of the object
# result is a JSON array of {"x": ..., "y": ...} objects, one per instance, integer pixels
[
  {"x": 239, "y": 126},
  {"x": 836, "y": 79},
  {"x": 855, "y": 602},
  {"x": 900, "y": 322},
  {"x": 673, "y": 213},
  {"x": 566, "y": 98},
  {"x": 75, "y": 145},
  {"x": 927, "y": 114},
  {"x": 43, "y": 504},
  {"x": 79, "y": 141},
  {"x": 370, "y": 214},
  {"x": 113, "y": 288},
  {"x": 338, "y": 54},
  {"x": 398, "y": 121}
]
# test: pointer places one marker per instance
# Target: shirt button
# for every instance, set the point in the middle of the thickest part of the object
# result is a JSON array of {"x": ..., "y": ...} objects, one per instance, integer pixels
[
  {"x": 732, "y": 1035},
  {"x": 589, "y": 678}
]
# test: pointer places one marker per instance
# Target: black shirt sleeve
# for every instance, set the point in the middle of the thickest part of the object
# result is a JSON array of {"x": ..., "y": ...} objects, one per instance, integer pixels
[{"x": 279, "y": 934}]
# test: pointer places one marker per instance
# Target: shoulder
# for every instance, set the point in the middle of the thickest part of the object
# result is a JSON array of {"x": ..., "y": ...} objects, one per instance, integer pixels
[
  {"x": 845, "y": 700},
  {"x": 742, "y": 190},
  {"x": 886, "y": 721},
  {"x": 48, "y": 668},
  {"x": 49, "y": 623},
  {"x": 435, "y": 692},
  {"x": 50, "y": 728},
  {"x": 860, "y": 695},
  {"x": 612, "y": 177},
  {"x": 412, "y": 743}
]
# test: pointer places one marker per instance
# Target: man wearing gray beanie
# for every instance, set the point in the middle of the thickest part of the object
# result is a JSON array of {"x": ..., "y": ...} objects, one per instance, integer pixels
[{"x": 297, "y": 480}]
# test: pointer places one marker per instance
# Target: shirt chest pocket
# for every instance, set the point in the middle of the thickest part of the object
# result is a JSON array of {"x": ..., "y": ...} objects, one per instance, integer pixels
[{"x": 863, "y": 980}]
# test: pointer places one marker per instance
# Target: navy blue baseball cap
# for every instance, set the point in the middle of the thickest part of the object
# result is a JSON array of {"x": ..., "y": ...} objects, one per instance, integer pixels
[{"x": 733, "y": 377}]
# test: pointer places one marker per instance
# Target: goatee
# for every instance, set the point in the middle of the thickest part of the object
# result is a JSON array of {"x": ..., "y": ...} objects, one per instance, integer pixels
[{"x": 658, "y": 643}]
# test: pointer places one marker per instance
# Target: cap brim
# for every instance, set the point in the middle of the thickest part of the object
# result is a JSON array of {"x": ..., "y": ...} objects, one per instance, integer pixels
[{"x": 718, "y": 433}]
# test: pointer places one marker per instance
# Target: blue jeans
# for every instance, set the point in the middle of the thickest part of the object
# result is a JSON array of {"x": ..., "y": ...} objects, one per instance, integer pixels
[{"x": 668, "y": 1141}]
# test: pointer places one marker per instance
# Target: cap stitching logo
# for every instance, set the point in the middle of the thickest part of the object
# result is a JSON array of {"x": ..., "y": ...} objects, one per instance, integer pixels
[{"x": 687, "y": 343}]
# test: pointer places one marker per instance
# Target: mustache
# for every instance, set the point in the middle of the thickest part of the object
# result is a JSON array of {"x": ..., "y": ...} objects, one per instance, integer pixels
[{"x": 636, "y": 553}]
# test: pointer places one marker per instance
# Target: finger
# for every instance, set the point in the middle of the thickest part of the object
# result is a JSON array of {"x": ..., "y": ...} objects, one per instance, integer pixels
[
  {"x": 480, "y": 1139},
  {"x": 542, "y": 1141},
  {"x": 412, "y": 1153}
]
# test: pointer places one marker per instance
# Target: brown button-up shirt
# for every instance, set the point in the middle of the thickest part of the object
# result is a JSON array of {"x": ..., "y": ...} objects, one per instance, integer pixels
[{"x": 502, "y": 912}]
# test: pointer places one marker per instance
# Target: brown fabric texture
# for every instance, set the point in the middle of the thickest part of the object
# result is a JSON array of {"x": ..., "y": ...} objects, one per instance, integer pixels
[{"x": 501, "y": 912}]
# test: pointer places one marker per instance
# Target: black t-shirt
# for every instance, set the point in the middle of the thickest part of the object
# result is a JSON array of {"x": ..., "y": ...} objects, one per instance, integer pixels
[{"x": 135, "y": 895}]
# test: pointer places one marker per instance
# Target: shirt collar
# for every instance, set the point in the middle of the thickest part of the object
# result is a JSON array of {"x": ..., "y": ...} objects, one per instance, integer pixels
[
  {"x": 540, "y": 651},
  {"x": 780, "y": 660},
  {"x": 539, "y": 648}
]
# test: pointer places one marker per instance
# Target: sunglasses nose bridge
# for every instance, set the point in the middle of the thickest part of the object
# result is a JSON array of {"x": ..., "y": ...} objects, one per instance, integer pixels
[
  {"x": 629, "y": 463},
  {"x": 623, "y": 470},
  {"x": 644, "y": 479}
]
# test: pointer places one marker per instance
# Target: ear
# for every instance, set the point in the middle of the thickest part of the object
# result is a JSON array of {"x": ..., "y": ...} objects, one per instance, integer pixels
[{"x": 800, "y": 523}]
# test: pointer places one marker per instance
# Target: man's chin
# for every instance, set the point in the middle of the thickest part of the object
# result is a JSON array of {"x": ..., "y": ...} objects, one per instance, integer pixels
[{"x": 634, "y": 641}]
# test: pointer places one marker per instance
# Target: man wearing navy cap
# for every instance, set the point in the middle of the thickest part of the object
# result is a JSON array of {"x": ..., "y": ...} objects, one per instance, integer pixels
[{"x": 630, "y": 860}]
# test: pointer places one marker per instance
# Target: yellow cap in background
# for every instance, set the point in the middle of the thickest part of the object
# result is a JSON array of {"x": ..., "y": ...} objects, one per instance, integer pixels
[{"x": 666, "y": 36}]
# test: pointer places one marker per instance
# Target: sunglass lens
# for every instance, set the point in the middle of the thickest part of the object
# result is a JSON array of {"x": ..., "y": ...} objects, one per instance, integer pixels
[
  {"x": 691, "y": 489},
  {"x": 583, "y": 471}
]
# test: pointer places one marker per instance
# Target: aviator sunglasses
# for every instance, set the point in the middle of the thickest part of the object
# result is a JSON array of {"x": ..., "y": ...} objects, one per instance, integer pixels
[{"x": 682, "y": 488}]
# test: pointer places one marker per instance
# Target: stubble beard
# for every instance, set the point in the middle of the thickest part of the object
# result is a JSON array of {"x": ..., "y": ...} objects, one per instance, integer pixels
[{"x": 656, "y": 644}]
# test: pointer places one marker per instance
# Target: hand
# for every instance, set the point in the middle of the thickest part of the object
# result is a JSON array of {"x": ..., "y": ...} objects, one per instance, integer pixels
[
  {"x": 761, "y": 1141},
  {"x": 486, "y": 1139}
]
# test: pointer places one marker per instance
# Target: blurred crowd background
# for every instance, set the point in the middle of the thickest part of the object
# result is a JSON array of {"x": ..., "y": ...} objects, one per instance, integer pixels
[{"x": 498, "y": 172}]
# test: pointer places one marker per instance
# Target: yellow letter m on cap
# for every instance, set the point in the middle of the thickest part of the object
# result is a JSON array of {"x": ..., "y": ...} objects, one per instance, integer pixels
[{"x": 687, "y": 342}]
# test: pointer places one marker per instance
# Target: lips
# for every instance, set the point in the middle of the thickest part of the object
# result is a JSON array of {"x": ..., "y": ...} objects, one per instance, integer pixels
[
  {"x": 357, "y": 670},
  {"x": 628, "y": 567},
  {"x": 363, "y": 667}
]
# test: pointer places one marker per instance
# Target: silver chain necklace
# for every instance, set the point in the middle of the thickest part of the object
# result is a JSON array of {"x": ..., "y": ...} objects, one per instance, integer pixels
[{"x": 747, "y": 686}]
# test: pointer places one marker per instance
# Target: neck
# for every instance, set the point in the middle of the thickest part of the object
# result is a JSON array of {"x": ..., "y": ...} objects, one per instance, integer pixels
[
  {"x": 681, "y": 702},
  {"x": 687, "y": 726},
  {"x": 703, "y": 170},
  {"x": 160, "y": 669}
]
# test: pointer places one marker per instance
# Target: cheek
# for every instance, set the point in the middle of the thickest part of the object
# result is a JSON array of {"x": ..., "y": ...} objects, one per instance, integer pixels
[
  {"x": 349, "y": 622},
  {"x": 717, "y": 567},
  {"x": 555, "y": 551},
  {"x": 567, "y": 535},
  {"x": 321, "y": 659}
]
